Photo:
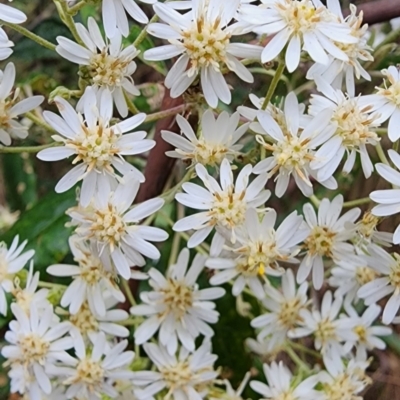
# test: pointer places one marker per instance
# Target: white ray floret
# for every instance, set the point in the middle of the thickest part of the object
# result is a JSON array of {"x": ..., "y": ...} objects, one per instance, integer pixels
[
  {"x": 281, "y": 384},
  {"x": 283, "y": 308},
  {"x": 182, "y": 377},
  {"x": 12, "y": 260},
  {"x": 115, "y": 19},
  {"x": 355, "y": 126},
  {"x": 386, "y": 101},
  {"x": 176, "y": 306},
  {"x": 217, "y": 140},
  {"x": 13, "y": 16},
  {"x": 329, "y": 237},
  {"x": 90, "y": 278},
  {"x": 388, "y": 199},
  {"x": 98, "y": 146},
  {"x": 91, "y": 375},
  {"x": 115, "y": 229},
  {"x": 259, "y": 249},
  {"x": 109, "y": 65},
  {"x": 339, "y": 70},
  {"x": 202, "y": 40},
  {"x": 367, "y": 335},
  {"x": 35, "y": 344},
  {"x": 225, "y": 204},
  {"x": 11, "y": 108},
  {"x": 386, "y": 283},
  {"x": 300, "y": 25},
  {"x": 293, "y": 146},
  {"x": 330, "y": 332}
]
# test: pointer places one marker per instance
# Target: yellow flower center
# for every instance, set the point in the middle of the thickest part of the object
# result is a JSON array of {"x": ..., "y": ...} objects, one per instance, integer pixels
[
  {"x": 107, "y": 226},
  {"x": 320, "y": 241},
  {"x": 361, "y": 332},
  {"x": 84, "y": 320},
  {"x": 178, "y": 298},
  {"x": 364, "y": 275},
  {"x": 344, "y": 387},
  {"x": 229, "y": 208},
  {"x": 95, "y": 147},
  {"x": 354, "y": 124},
  {"x": 106, "y": 70},
  {"x": 205, "y": 45},
  {"x": 300, "y": 16},
  {"x": 367, "y": 225},
  {"x": 325, "y": 331},
  {"x": 288, "y": 315},
  {"x": 394, "y": 276},
  {"x": 89, "y": 373},
  {"x": 33, "y": 348}
]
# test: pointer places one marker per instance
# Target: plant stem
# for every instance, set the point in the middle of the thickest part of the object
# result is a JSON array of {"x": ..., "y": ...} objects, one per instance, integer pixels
[
  {"x": 177, "y": 238},
  {"x": 128, "y": 292},
  {"x": 301, "y": 347},
  {"x": 143, "y": 34},
  {"x": 26, "y": 149},
  {"x": 50, "y": 285},
  {"x": 296, "y": 359},
  {"x": 358, "y": 202},
  {"x": 131, "y": 105},
  {"x": 167, "y": 113},
  {"x": 391, "y": 37},
  {"x": 274, "y": 84},
  {"x": 170, "y": 194},
  {"x": 67, "y": 19},
  {"x": 381, "y": 154},
  {"x": 315, "y": 200},
  {"x": 76, "y": 8},
  {"x": 30, "y": 35},
  {"x": 39, "y": 121}
]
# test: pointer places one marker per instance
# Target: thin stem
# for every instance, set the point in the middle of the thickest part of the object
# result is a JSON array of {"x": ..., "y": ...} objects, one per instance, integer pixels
[
  {"x": 274, "y": 84},
  {"x": 128, "y": 292},
  {"x": 67, "y": 19},
  {"x": 30, "y": 35},
  {"x": 358, "y": 202},
  {"x": 391, "y": 37},
  {"x": 143, "y": 34},
  {"x": 305, "y": 349},
  {"x": 26, "y": 149},
  {"x": 131, "y": 105},
  {"x": 263, "y": 71},
  {"x": 177, "y": 238},
  {"x": 381, "y": 154},
  {"x": 315, "y": 200},
  {"x": 50, "y": 285},
  {"x": 39, "y": 121},
  {"x": 76, "y": 8},
  {"x": 167, "y": 113},
  {"x": 170, "y": 194},
  {"x": 296, "y": 359}
]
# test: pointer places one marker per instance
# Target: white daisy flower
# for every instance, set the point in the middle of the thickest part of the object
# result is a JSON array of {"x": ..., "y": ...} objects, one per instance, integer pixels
[
  {"x": 225, "y": 205},
  {"x": 339, "y": 70},
  {"x": 230, "y": 392},
  {"x": 386, "y": 283},
  {"x": 12, "y": 260},
  {"x": 282, "y": 385},
  {"x": 8, "y": 14},
  {"x": 342, "y": 381},
  {"x": 218, "y": 139},
  {"x": 367, "y": 335},
  {"x": 116, "y": 231},
  {"x": 293, "y": 146},
  {"x": 115, "y": 19},
  {"x": 183, "y": 377},
  {"x": 90, "y": 278},
  {"x": 89, "y": 323},
  {"x": 251, "y": 113},
  {"x": 283, "y": 310},
  {"x": 97, "y": 145},
  {"x": 91, "y": 375},
  {"x": 259, "y": 250},
  {"x": 35, "y": 344},
  {"x": 202, "y": 40},
  {"x": 348, "y": 276},
  {"x": 330, "y": 332},
  {"x": 386, "y": 102},
  {"x": 11, "y": 108},
  {"x": 301, "y": 25},
  {"x": 388, "y": 199},
  {"x": 109, "y": 66},
  {"x": 262, "y": 347},
  {"x": 28, "y": 296},
  {"x": 354, "y": 131},
  {"x": 176, "y": 306},
  {"x": 328, "y": 238}
]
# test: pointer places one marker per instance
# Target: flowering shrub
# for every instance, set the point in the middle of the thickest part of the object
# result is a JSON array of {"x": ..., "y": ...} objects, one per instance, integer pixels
[{"x": 219, "y": 217}]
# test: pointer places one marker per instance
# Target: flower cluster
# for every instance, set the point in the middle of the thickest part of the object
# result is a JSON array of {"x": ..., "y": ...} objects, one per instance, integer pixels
[{"x": 257, "y": 209}]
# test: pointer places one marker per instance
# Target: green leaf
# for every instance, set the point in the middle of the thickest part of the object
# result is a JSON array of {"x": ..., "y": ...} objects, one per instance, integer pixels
[{"x": 44, "y": 228}]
